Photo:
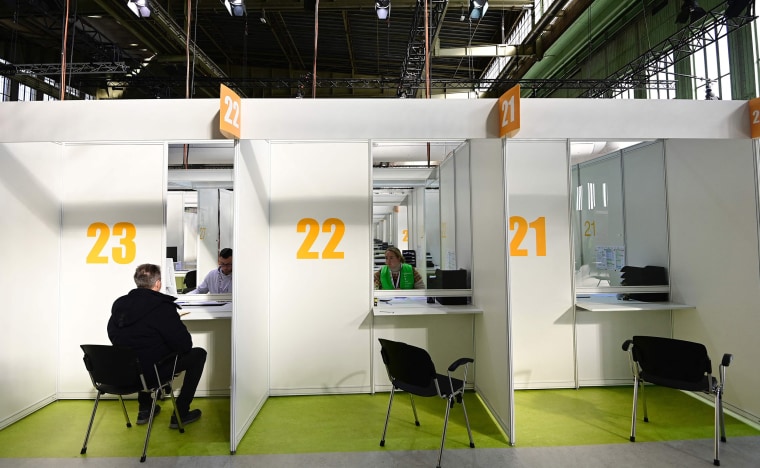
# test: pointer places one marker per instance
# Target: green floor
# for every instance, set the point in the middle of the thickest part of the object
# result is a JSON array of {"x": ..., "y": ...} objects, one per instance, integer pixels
[{"x": 339, "y": 423}]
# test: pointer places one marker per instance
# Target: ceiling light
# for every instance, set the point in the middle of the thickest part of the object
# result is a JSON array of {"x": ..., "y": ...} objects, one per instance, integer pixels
[
  {"x": 383, "y": 8},
  {"x": 235, "y": 7},
  {"x": 478, "y": 9},
  {"x": 141, "y": 8},
  {"x": 690, "y": 12}
]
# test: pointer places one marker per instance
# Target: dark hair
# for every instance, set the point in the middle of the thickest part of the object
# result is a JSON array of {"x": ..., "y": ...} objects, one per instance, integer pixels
[
  {"x": 225, "y": 253},
  {"x": 397, "y": 253},
  {"x": 146, "y": 275}
]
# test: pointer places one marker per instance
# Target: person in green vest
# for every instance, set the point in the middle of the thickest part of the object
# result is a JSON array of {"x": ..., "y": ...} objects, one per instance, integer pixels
[{"x": 397, "y": 274}]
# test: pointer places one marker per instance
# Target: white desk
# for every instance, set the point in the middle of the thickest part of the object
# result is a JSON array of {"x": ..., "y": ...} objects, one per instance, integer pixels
[
  {"x": 205, "y": 310},
  {"x": 610, "y": 303},
  {"x": 419, "y": 306},
  {"x": 209, "y": 324}
]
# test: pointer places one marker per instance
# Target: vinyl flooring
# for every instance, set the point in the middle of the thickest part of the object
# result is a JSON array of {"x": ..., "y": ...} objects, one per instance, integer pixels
[{"x": 740, "y": 452}]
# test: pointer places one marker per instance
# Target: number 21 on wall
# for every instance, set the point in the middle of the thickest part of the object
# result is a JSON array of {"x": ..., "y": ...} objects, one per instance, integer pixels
[
  {"x": 311, "y": 228},
  {"x": 521, "y": 226}
]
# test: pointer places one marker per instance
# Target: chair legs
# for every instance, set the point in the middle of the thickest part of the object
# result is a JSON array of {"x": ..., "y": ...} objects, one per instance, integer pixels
[
  {"x": 719, "y": 434},
  {"x": 638, "y": 385},
  {"x": 720, "y": 427},
  {"x": 154, "y": 396},
  {"x": 449, "y": 404},
  {"x": 387, "y": 416}
]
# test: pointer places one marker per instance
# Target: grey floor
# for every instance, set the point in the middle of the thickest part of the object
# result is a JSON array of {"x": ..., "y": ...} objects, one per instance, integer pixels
[{"x": 737, "y": 452}]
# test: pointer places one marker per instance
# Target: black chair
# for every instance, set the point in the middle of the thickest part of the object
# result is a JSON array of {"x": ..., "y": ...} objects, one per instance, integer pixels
[
  {"x": 191, "y": 278},
  {"x": 117, "y": 371},
  {"x": 678, "y": 364},
  {"x": 411, "y": 369}
]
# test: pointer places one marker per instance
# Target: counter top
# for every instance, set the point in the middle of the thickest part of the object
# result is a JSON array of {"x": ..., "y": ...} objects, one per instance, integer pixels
[
  {"x": 610, "y": 303},
  {"x": 389, "y": 307},
  {"x": 205, "y": 310}
]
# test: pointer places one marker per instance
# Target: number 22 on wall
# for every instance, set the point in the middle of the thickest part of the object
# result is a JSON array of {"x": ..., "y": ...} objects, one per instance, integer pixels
[
  {"x": 311, "y": 228},
  {"x": 123, "y": 254},
  {"x": 521, "y": 226}
]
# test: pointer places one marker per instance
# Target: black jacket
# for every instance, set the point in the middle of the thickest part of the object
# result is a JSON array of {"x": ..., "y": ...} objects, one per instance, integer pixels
[{"x": 147, "y": 321}]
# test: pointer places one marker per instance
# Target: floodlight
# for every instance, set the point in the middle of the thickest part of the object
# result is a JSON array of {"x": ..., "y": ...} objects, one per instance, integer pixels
[
  {"x": 690, "y": 12},
  {"x": 735, "y": 8},
  {"x": 383, "y": 9},
  {"x": 235, "y": 7},
  {"x": 478, "y": 9},
  {"x": 141, "y": 8}
]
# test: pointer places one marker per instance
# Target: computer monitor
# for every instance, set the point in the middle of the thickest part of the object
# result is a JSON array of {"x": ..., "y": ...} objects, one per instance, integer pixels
[
  {"x": 171, "y": 252},
  {"x": 449, "y": 279}
]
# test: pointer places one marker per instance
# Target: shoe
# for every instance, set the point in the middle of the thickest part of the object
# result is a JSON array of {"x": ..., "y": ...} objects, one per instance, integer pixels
[
  {"x": 187, "y": 418},
  {"x": 144, "y": 415}
]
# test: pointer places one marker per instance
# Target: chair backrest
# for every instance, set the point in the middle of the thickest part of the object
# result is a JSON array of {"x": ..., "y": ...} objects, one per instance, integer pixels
[
  {"x": 407, "y": 363},
  {"x": 191, "y": 278},
  {"x": 670, "y": 358},
  {"x": 113, "y": 369}
]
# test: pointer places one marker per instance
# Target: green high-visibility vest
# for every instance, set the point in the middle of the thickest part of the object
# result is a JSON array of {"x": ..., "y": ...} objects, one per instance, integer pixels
[{"x": 405, "y": 281}]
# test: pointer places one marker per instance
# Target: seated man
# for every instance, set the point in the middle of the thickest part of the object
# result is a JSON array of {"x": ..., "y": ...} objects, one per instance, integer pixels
[
  {"x": 148, "y": 322},
  {"x": 218, "y": 280}
]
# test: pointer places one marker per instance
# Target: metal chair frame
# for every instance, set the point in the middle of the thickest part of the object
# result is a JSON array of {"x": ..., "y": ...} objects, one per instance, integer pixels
[
  {"x": 423, "y": 380},
  {"x": 705, "y": 383},
  {"x": 117, "y": 371}
]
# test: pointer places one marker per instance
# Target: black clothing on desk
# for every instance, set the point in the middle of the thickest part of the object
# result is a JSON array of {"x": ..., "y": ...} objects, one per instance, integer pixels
[{"x": 148, "y": 322}]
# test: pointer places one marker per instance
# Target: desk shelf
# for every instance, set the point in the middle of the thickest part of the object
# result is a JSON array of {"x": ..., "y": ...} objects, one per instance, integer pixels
[
  {"x": 420, "y": 306},
  {"x": 610, "y": 303}
]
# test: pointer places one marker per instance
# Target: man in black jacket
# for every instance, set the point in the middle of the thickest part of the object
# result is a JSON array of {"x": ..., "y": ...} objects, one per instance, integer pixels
[{"x": 148, "y": 322}]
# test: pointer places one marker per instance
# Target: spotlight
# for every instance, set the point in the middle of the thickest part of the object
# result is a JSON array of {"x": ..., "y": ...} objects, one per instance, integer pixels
[
  {"x": 235, "y": 7},
  {"x": 141, "y": 8},
  {"x": 709, "y": 95},
  {"x": 478, "y": 9},
  {"x": 383, "y": 9},
  {"x": 735, "y": 7},
  {"x": 690, "y": 12}
]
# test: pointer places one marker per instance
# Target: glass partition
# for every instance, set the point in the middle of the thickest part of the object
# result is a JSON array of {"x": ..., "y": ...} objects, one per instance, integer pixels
[
  {"x": 414, "y": 208},
  {"x": 199, "y": 209},
  {"x": 619, "y": 214}
]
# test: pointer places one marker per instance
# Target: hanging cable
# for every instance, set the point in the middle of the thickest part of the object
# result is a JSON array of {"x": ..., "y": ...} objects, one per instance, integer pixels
[
  {"x": 187, "y": 50},
  {"x": 63, "y": 51},
  {"x": 70, "y": 58},
  {"x": 316, "y": 33},
  {"x": 427, "y": 55},
  {"x": 195, "y": 45}
]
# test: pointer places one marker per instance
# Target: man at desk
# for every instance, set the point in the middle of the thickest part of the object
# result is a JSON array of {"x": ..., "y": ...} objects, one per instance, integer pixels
[
  {"x": 147, "y": 321},
  {"x": 219, "y": 280},
  {"x": 397, "y": 274}
]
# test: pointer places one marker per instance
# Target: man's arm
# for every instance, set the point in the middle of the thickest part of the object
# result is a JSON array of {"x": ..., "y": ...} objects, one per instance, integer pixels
[
  {"x": 203, "y": 287},
  {"x": 173, "y": 331}
]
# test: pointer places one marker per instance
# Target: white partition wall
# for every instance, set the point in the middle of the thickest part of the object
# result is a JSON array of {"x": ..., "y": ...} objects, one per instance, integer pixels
[
  {"x": 712, "y": 201},
  {"x": 493, "y": 355},
  {"x": 540, "y": 269},
  {"x": 113, "y": 221},
  {"x": 321, "y": 209},
  {"x": 30, "y": 181},
  {"x": 250, "y": 320}
]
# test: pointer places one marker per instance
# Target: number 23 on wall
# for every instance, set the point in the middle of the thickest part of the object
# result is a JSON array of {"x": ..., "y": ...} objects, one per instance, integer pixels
[
  {"x": 521, "y": 226},
  {"x": 311, "y": 227},
  {"x": 123, "y": 254}
]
